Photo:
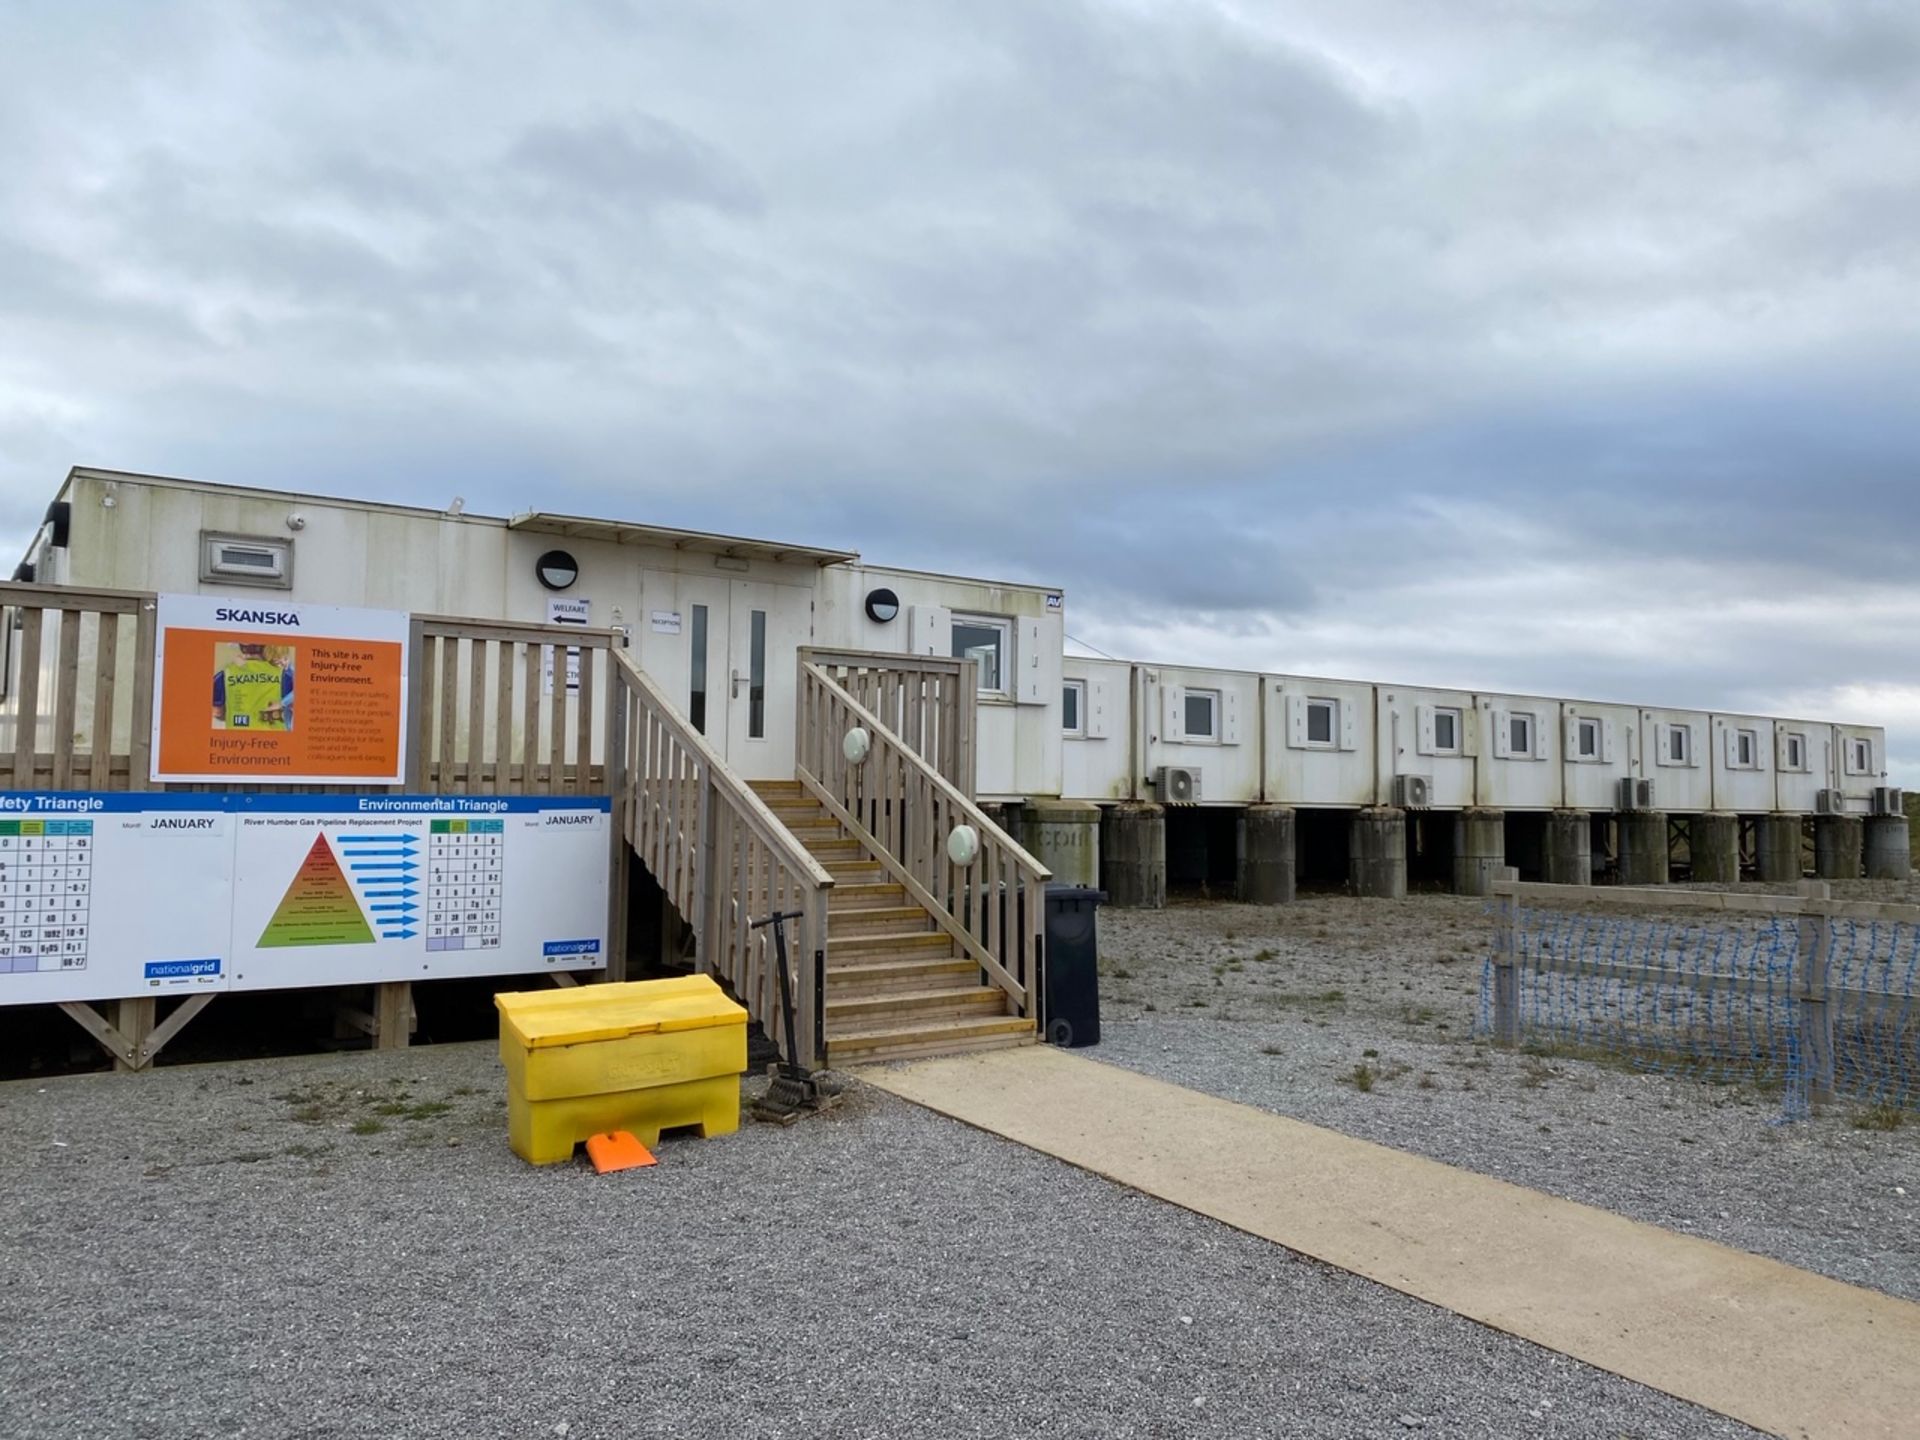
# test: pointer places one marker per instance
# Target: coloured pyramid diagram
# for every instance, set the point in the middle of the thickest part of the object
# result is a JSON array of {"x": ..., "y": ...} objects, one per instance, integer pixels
[{"x": 319, "y": 907}]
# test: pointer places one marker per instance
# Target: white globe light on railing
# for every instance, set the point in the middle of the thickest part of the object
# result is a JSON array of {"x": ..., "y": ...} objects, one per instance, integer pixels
[
  {"x": 857, "y": 746},
  {"x": 963, "y": 845}
]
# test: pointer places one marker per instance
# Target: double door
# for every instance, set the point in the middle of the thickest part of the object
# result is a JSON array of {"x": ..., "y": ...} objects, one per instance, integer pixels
[{"x": 725, "y": 651}]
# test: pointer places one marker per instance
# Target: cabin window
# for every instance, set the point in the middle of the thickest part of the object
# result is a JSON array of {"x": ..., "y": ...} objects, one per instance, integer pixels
[
  {"x": 1202, "y": 714},
  {"x": 1678, "y": 738},
  {"x": 1321, "y": 716},
  {"x": 988, "y": 642},
  {"x": 1589, "y": 740},
  {"x": 1073, "y": 707},
  {"x": 1796, "y": 752},
  {"x": 1862, "y": 757},
  {"x": 1446, "y": 732},
  {"x": 757, "y": 677},
  {"x": 697, "y": 670},
  {"x": 1520, "y": 735},
  {"x": 1746, "y": 749}
]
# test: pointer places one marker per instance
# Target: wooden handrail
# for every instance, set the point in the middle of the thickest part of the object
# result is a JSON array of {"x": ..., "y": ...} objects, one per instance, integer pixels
[
  {"x": 724, "y": 859},
  {"x": 903, "y": 811},
  {"x": 930, "y": 702}
]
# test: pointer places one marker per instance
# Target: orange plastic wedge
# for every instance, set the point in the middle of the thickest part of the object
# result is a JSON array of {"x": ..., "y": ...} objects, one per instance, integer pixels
[{"x": 617, "y": 1151}]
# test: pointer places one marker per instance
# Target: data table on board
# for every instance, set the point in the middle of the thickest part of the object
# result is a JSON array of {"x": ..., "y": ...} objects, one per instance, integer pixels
[
  {"x": 46, "y": 884},
  {"x": 465, "y": 865}
]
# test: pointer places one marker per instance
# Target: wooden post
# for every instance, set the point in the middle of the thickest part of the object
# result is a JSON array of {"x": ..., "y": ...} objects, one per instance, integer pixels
[
  {"x": 1810, "y": 988},
  {"x": 1506, "y": 978},
  {"x": 392, "y": 1015},
  {"x": 134, "y": 1020}
]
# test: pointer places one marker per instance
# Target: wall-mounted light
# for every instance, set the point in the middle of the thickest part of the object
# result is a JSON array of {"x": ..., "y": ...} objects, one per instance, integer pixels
[
  {"x": 963, "y": 845},
  {"x": 857, "y": 745},
  {"x": 882, "y": 605},
  {"x": 556, "y": 569}
]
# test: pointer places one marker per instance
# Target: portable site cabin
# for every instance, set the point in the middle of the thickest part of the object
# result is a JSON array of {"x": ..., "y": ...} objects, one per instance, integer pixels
[
  {"x": 1320, "y": 742},
  {"x": 1097, "y": 730},
  {"x": 1431, "y": 737},
  {"x": 718, "y": 621},
  {"x": 1600, "y": 750}
]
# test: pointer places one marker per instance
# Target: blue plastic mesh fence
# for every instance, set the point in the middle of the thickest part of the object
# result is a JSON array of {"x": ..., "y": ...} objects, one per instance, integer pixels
[{"x": 1719, "y": 997}]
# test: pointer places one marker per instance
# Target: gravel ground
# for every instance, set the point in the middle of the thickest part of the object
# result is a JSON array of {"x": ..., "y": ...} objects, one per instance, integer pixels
[
  {"x": 334, "y": 1246},
  {"x": 1279, "y": 1007}
]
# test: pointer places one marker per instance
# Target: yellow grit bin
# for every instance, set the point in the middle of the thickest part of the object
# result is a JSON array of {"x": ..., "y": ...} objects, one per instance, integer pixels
[{"x": 645, "y": 1056}]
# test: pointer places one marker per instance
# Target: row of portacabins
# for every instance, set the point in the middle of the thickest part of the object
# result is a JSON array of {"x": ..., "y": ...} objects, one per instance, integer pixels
[{"x": 1216, "y": 737}]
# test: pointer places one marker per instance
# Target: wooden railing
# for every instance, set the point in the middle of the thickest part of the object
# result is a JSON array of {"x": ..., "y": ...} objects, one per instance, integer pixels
[
  {"x": 724, "y": 860},
  {"x": 928, "y": 702},
  {"x": 904, "y": 811},
  {"x": 501, "y": 708},
  {"x": 78, "y": 709}
]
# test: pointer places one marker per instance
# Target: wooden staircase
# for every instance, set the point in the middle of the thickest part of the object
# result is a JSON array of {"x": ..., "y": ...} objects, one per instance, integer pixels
[{"x": 898, "y": 987}]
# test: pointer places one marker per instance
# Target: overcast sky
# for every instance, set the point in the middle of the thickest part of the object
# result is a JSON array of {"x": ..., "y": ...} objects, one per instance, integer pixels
[{"x": 1549, "y": 345}]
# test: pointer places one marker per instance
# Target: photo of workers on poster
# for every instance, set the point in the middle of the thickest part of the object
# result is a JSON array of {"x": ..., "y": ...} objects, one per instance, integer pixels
[{"x": 252, "y": 687}]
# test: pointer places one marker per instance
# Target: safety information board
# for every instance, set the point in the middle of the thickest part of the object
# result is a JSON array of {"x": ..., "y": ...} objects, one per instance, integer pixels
[
  {"x": 107, "y": 895},
  {"x": 279, "y": 691}
]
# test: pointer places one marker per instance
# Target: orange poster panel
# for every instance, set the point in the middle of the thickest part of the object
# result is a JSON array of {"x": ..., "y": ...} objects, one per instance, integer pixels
[{"x": 282, "y": 704}]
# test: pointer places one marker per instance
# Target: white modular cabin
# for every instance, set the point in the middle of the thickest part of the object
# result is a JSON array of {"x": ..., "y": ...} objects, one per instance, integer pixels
[
  {"x": 1321, "y": 741},
  {"x": 1599, "y": 747},
  {"x": 1206, "y": 722},
  {"x": 1519, "y": 747},
  {"x": 1097, "y": 730},
  {"x": 1430, "y": 735},
  {"x": 1741, "y": 756},
  {"x": 1859, "y": 765},
  {"x": 1674, "y": 756},
  {"x": 1802, "y": 764},
  {"x": 717, "y": 621},
  {"x": 1016, "y": 635}
]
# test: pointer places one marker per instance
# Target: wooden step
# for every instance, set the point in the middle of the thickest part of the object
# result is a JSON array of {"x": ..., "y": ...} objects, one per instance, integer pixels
[
  {"x": 887, "y": 919},
  {"x": 933, "y": 1037},
  {"x": 896, "y": 1008},
  {"x": 764, "y": 788},
  {"x": 856, "y": 896},
  {"x": 890, "y": 946},
  {"x": 824, "y": 850},
  {"x": 871, "y": 977},
  {"x": 854, "y": 872}
]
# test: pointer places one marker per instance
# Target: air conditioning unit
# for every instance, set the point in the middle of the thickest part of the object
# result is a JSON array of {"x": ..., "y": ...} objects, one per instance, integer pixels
[
  {"x": 1177, "y": 785},
  {"x": 1829, "y": 802},
  {"x": 1635, "y": 795},
  {"x": 1889, "y": 800},
  {"x": 1413, "y": 792}
]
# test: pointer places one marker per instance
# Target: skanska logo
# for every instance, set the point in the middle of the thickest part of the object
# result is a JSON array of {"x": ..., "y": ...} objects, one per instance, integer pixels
[{"x": 256, "y": 617}]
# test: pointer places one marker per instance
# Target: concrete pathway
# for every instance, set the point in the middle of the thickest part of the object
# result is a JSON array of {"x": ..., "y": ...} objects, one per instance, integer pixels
[{"x": 1778, "y": 1348}]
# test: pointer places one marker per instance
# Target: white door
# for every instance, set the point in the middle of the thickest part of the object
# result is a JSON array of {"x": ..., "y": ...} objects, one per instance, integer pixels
[
  {"x": 725, "y": 653},
  {"x": 769, "y": 623}
]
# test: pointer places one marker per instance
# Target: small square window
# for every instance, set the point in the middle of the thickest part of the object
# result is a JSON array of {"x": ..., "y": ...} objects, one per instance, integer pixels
[
  {"x": 1202, "y": 714},
  {"x": 988, "y": 642},
  {"x": 1073, "y": 720},
  {"x": 1446, "y": 732},
  {"x": 1320, "y": 717},
  {"x": 1589, "y": 736},
  {"x": 1677, "y": 738},
  {"x": 1520, "y": 734}
]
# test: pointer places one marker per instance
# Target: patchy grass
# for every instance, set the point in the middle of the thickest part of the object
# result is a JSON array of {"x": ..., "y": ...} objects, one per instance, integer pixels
[
  {"x": 1271, "y": 1050},
  {"x": 367, "y": 1125},
  {"x": 1884, "y": 1116},
  {"x": 1361, "y": 1078},
  {"x": 306, "y": 1152}
]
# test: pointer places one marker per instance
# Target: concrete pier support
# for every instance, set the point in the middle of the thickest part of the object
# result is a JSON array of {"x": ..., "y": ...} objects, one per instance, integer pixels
[
  {"x": 1643, "y": 847},
  {"x": 1776, "y": 846},
  {"x": 1133, "y": 856},
  {"x": 1838, "y": 843},
  {"x": 1267, "y": 852},
  {"x": 1479, "y": 850},
  {"x": 1568, "y": 858},
  {"x": 1713, "y": 840},
  {"x": 1888, "y": 848},
  {"x": 1377, "y": 863},
  {"x": 1064, "y": 836}
]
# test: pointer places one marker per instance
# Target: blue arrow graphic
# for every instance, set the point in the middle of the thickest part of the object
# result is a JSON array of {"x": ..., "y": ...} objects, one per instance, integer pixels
[
  {"x": 376, "y": 839},
  {"x": 384, "y": 865},
  {"x": 361, "y": 852},
  {"x": 398, "y": 934},
  {"x": 404, "y": 906}
]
